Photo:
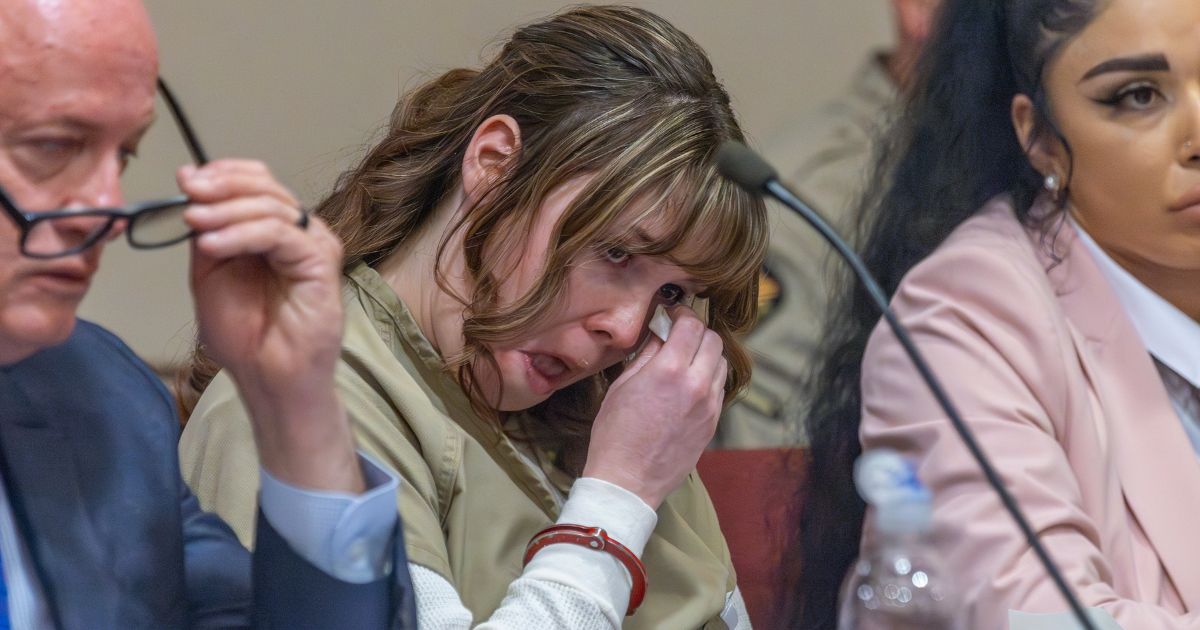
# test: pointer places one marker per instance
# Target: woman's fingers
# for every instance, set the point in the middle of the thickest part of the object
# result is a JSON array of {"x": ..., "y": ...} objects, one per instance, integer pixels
[
  {"x": 720, "y": 375},
  {"x": 709, "y": 354},
  {"x": 649, "y": 349},
  {"x": 661, "y": 413},
  {"x": 687, "y": 333}
]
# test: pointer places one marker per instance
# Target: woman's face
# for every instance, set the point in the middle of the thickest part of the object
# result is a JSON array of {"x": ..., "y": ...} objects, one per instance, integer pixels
[
  {"x": 601, "y": 318},
  {"x": 1125, "y": 93}
]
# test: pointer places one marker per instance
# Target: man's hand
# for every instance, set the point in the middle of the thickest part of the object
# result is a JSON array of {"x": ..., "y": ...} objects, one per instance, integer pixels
[{"x": 268, "y": 308}]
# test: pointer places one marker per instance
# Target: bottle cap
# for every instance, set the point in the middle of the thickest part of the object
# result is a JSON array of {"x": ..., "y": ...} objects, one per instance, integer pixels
[{"x": 889, "y": 484}]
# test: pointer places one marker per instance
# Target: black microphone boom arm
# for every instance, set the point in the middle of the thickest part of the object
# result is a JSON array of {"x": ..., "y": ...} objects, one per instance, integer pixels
[{"x": 740, "y": 164}]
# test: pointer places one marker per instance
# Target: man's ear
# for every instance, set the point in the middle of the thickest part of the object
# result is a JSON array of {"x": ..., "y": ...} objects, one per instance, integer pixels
[
  {"x": 1046, "y": 152},
  {"x": 495, "y": 143}
]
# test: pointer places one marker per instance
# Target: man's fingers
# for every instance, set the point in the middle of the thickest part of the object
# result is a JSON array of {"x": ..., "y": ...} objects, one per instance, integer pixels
[
  {"x": 226, "y": 166},
  {"x": 206, "y": 217},
  {"x": 283, "y": 244},
  {"x": 225, "y": 179}
]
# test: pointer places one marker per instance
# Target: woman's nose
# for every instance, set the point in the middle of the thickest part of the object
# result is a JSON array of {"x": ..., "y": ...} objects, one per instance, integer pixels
[
  {"x": 622, "y": 324},
  {"x": 1190, "y": 145}
]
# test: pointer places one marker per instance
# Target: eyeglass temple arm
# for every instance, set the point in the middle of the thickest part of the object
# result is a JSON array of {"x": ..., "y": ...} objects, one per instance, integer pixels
[
  {"x": 11, "y": 209},
  {"x": 185, "y": 127}
]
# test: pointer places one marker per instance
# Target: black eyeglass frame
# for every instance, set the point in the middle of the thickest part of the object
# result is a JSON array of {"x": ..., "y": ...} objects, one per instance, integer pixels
[{"x": 26, "y": 221}]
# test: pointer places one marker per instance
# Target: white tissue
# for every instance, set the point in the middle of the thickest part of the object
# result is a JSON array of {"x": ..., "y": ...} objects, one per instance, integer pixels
[{"x": 660, "y": 323}]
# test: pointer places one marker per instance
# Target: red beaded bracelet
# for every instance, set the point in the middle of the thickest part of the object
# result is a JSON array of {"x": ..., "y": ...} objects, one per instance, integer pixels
[{"x": 598, "y": 539}]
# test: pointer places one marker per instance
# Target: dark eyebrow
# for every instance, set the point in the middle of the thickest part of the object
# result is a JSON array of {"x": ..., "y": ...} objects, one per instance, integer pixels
[{"x": 1154, "y": 62}]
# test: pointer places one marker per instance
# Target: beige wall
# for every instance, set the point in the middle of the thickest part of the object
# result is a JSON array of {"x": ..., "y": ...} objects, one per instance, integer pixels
[{"x": 303, "y": 85}]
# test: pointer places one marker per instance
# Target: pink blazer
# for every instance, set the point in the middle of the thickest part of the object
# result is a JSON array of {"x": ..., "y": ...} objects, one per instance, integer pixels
[{"x": 1050, "y": 373}]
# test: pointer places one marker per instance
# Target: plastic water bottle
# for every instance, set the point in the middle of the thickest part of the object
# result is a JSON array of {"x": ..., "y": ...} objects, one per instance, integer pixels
[{"x": 898, "y": 583}]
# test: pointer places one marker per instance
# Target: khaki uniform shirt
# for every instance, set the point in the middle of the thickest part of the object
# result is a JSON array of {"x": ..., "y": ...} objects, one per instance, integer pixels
[
  {"x": 469, "y": 500},
  {"x": 827, "y": 159}
]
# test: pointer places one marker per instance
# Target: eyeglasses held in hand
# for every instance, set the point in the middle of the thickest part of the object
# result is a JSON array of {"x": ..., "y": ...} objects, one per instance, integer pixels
[{"x": 151, "y": 224}]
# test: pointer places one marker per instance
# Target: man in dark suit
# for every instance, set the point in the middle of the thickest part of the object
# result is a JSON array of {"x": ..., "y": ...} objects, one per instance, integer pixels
[{"x": 97, "y": 529}]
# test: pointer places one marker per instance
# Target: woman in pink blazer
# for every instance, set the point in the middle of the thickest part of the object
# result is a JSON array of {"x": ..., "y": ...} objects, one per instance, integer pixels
[{"x": 1039, "y": 232}]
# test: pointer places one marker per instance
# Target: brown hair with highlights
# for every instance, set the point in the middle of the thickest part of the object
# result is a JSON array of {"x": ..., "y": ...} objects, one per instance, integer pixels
[{"x": 615, "y": 93}]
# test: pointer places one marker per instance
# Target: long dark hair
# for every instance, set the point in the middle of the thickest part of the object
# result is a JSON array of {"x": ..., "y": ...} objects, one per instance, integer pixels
[{"x": 952, "y": 149}]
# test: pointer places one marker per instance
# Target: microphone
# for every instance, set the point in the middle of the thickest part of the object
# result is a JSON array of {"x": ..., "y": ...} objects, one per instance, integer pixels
[{"x": 739, "y": 164}]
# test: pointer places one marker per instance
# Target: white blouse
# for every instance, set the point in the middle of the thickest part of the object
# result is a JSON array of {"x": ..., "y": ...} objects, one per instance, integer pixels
[
  {"x": 1171, "y": 337},
  {"x": 564, "y": 586}
]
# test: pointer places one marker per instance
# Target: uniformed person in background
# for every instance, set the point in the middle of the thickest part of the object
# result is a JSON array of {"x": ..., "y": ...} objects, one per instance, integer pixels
[{"x": 826, "y": 157}]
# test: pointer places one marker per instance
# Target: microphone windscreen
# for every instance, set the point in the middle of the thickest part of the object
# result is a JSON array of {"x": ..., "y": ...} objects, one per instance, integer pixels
[{"x": 737, "y": 162}]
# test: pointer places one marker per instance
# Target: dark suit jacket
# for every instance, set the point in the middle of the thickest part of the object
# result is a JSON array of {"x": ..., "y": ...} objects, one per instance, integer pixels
[{"x": 88, "y": 456}]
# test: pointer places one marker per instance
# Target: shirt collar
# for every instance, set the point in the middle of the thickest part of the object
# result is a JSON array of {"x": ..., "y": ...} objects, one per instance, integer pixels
[{"x": 1169, "y": 334}]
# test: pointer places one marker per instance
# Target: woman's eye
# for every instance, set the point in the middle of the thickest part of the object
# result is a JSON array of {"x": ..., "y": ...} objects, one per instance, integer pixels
[
  {"x": 671, "y": 293},
  {"x": 616, "y": 255},
  {"x": 1134, "y": 97},
  {"x": 1140, "y": 97}
]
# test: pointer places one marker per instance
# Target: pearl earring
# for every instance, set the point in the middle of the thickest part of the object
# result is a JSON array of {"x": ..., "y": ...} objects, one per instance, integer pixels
[{"x": 1052, "y": 183}]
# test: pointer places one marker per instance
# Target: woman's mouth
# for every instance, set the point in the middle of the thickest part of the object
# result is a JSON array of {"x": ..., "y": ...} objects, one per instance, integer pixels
[{"x": 546, "y": 372}]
